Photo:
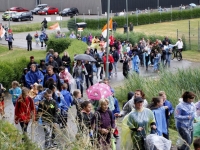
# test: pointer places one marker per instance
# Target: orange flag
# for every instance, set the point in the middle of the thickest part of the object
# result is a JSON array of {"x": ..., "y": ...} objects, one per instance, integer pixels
[
  {"x": 104, "y": 30},
  {"x": 55, "y": 27},
  {"x": 2, "y": 32}
]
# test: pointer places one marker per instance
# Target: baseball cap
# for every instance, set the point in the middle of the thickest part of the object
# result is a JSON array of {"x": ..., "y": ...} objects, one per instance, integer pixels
[{"x": 138, "y": 99}]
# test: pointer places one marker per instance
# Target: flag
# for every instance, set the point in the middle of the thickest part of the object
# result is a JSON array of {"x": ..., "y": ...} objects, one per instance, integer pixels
[
  {"x": 2, "y": 32},
  {"x": 55, "y": 27},
  {"x": 104, "y": 30}
]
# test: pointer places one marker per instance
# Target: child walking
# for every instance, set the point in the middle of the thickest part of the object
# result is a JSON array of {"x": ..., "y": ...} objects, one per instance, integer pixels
[
  {"x": 15, "y": 91},
  {"x": 67, "y": 104}
]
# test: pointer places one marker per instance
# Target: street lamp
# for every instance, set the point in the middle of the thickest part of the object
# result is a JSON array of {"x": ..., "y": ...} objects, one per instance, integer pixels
[
  {"x": 107, "y": 45},
  {"x": 158, "y": 3},
  {"x": 127, "y": 18},
  {"x": 9, "y": 13}
]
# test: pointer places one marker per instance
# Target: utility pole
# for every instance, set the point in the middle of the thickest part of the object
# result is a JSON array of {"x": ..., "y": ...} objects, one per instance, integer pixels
[
  {"x": 107, "y": 46},
  {"x": 127, "y": 19}
]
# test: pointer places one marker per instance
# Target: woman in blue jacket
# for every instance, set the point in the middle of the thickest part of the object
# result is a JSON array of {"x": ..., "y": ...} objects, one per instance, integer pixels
[
  {"x": 135, "y": 63},
  {"x": 184, "y": 117},
  {"x": 15, "y": 91},
  {"x": 34, "y": 76}
]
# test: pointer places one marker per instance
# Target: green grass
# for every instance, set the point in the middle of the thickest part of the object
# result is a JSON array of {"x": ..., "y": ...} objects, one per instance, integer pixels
[
  {"x": 34, "y": 26},
  {"x": 170, "y": 29},
  {"x": 191, "y": 55}
]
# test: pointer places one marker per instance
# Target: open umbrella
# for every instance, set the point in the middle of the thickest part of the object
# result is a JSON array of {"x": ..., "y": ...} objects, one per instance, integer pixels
[
  {"x": 193, "y": 5},
  {"x": 98, "y": 91},
  {"x": 84, "y": 57}
]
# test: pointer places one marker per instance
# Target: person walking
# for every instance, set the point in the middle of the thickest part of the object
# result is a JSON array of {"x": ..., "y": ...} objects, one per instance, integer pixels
[
  {"x": 44, "y": 26},
  {"x": 114, "y": 25},
  {"x": 131, "y": 27},
  {"x": 10, "y": 39},
  {"x": 24, "y": 110},
  {"x": 125, "y": 28},
  {"x": 89, "y": 75},
  {"x": 15, "y": 91},
  {"x": 116, "y": 58},
  {"x": 184, "y": 118},
  {"x": 29, "y": 42}
]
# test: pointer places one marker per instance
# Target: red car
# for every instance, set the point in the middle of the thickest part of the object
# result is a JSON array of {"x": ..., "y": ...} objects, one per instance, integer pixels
[
  {"x": 18, "y": 9},
  {"x": 48, "y": 11}
]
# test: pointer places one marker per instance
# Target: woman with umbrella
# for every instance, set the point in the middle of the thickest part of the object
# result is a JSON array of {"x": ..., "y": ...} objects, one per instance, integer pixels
[{"x": 79, "y": 72}]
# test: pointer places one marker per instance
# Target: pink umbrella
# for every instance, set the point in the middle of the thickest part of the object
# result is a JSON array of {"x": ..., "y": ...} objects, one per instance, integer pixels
[{"x": 98, "y": 91}]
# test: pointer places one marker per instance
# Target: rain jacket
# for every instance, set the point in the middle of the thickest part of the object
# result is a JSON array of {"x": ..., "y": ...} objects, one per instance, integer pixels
[
  {"x": 68, "y": 101},
  {"x": 15, "y": 92},
  {"x": 33, "y": 77}
]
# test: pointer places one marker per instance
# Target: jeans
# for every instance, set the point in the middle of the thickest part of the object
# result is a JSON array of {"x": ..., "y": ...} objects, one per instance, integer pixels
[
  {"x": 187, "y": 135},
  {"x": 115, "y": 66},
  {"x": 147, "y": 62},
  {"x": 29, "y": 45},
  {"x": 10, "y": 45},
  {"x": 90, "y": 79},
  {"x": 98, "y": 73},
  {"x": 168, "y": 58},
  {"x": 79, "y": 85},
  {"x": 24, "y": 127},
  {"x": 49, "y": 133}
]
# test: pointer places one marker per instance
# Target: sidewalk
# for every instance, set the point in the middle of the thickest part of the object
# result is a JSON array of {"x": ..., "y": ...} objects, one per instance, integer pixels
[{"x": 20, "y": 39}]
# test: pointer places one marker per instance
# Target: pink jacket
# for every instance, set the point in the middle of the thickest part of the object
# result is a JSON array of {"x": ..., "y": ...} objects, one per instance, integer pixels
[{"x": 66, "y": 76}]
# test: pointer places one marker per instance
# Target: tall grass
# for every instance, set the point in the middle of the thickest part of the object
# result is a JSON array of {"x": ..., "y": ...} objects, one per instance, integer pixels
[{"x": 174, "y": 84}]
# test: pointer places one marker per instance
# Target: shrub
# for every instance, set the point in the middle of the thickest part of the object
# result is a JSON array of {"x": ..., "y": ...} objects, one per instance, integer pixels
[
  {"x": 144, "y": 18},
  {"x": 11, "y": 138},
  {"x": 58, "y": 44},
  {"x": 174, "y": 84}
]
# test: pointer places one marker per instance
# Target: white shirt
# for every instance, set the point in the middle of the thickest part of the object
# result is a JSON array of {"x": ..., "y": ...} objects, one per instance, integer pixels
[{"x": 179, "y": 44}]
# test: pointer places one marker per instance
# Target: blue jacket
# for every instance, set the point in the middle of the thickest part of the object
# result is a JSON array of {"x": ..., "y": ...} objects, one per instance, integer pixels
[
  {"x": 160, "y": 117},
  {"x": 60, "y": 102},
  {"x": 68, "y": 99},
  {"x": 33, "y": 77},
  {"x": 116, "y": 105},
  {"x": 47, "y": 58},
  {"x": 170, "y": 108},
  {"x": 15, "y": 92},
  {"x": 182, "y": 112}
]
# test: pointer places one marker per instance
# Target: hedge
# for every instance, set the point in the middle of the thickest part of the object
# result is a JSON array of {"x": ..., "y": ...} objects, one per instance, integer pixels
[
  {"x": 58, "y": 44},
  {"x": 141, "y": 19}
]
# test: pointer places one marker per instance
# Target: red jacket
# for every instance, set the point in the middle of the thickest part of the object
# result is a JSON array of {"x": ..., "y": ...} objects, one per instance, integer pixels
[
  {"x": 23, "y": 109},
  {"x": 110, "y": 59}
]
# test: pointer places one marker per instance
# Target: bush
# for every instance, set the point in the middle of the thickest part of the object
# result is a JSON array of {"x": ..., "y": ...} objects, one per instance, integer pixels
[
  {"x": 144, "y": 18},
  {"x": 11, "y": 138},
  {"x": 58, "y": 44},
  {"x": 12, "y": 71},
  {"x": 174, "y": 84}
]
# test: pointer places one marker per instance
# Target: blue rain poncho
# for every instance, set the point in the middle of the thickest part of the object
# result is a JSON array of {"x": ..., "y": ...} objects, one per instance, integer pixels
[{"x": 135, "y": 119}]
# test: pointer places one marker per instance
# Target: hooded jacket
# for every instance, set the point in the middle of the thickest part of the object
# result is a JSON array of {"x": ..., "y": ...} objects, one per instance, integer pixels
[{"x": 33, "y": 77}]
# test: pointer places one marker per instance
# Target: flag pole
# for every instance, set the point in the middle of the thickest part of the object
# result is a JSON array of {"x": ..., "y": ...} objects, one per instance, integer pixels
[{"x": 107, "y": 46}]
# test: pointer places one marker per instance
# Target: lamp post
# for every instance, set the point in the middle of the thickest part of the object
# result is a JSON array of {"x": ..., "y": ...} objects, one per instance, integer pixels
[
  {"x": 9, "y": 14},
  {"x": 158, "y": 3},
  {"x": 127, "y": 19},
  {"x": 107, "y": 63}
]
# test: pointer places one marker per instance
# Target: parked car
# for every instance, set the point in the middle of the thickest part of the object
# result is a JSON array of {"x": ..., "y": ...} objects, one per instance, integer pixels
[
  {"x": 38, "y": 8},
  {"x": 48, "y": 11},
  {"x": 23, "y": 16},
  {"x": 69, "y": 11},
  {"x": 8, "y": 15},
  {"x": 18, "y": 9}
]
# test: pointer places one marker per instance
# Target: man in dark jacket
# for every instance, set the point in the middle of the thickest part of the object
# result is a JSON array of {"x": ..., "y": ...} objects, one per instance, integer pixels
[
  {"x": 48, "y": 110},
  {"x": 125, "y": 28},
  {"x": 29, "y": 42},
  {"x": 89, "y": 75},
  {"x": 57, "y": 59},
  {"x": 114, "y": 25},
  {"x": 131, "y": 27},
  {"x": 32, "y": 61},
  {"x": 53, "y": 63},
  {"x": 44, "y": 22},
  {"x": 116, "y": 58}
]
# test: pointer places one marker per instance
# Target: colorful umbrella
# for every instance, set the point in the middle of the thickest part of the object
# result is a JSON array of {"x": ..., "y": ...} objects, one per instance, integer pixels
[{"x": 98, "y": 91}]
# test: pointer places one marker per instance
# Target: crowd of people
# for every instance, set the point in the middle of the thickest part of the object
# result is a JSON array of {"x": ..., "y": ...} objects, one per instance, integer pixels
[{"x": 46, "y": 95}]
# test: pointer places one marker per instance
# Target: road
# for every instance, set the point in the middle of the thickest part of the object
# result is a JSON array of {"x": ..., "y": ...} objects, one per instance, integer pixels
[
  {"x": 36, "y": 132},
  {"x": 40, "y": 18}
]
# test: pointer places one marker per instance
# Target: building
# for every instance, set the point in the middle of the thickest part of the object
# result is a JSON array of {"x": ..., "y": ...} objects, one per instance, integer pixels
[{"x": 96, "y": 6}]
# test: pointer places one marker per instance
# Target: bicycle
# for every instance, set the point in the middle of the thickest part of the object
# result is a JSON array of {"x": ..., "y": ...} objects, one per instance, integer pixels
[{"x": 176, "y": 53}]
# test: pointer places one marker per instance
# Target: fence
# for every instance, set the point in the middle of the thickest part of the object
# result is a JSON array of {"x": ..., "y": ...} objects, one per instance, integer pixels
[{"x": 190, "y": 36}]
